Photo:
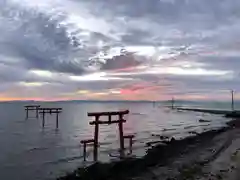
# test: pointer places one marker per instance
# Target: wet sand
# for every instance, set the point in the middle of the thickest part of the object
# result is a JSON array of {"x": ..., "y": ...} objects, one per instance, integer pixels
[
  {"x": 217, "y": 158},
  {"x": 213, "y": 154}
]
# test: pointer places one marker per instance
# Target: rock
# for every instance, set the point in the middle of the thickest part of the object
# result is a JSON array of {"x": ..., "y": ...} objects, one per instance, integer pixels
[
  {"x": 193, "y": 132},
  {"x": 202, "y": 120},
  {"x": 234, "y": 123},
  {"x": 160, "y": 136},
  {"x": 164, "y": 137}
]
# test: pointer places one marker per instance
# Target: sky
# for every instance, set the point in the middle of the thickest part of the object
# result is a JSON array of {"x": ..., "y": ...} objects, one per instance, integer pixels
[{"x": 119, "y": 49}]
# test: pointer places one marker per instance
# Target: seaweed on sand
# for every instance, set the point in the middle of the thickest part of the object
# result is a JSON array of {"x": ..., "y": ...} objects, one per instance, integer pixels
[{"x": 130, "y": 167}]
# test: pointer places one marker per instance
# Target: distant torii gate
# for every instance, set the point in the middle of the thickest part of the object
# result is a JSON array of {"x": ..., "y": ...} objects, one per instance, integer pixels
[
  {"x": 44, "y": 111},
  {"x": 31, "y": 108},
  {"x": 97, "y": 122}
]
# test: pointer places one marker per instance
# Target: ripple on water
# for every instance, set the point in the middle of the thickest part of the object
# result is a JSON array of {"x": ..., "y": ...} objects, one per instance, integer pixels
[{"x": 28, "y": 142}]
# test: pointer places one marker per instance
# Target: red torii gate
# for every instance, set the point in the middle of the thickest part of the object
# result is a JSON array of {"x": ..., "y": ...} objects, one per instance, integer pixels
[{"x": 97, "y": 122}]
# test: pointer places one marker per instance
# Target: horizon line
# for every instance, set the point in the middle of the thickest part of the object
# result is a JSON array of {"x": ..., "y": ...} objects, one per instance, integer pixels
[{"x": 176, "y": 100}]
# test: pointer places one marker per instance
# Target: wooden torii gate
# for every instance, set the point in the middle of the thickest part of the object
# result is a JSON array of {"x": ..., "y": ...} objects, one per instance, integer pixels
[
  {"x": 44, "y": 111},
  {"x": 31, "y": 108},
  {"x": 97, "y": 122}
]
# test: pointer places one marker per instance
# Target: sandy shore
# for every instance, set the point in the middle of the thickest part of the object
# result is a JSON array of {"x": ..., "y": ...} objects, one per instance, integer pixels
[{"x": 210, "y": 155}]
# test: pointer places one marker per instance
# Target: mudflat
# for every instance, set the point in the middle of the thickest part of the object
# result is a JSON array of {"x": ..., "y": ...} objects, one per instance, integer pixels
[{"x": 209, "y": 155}]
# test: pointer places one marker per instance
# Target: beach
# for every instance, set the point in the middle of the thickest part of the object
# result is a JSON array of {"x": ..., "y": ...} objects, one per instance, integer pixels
[{"x": 209, "y": 155}]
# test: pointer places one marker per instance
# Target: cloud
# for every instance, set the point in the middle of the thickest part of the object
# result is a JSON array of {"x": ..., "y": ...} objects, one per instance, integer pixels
[{"x": 159, "y": 47}]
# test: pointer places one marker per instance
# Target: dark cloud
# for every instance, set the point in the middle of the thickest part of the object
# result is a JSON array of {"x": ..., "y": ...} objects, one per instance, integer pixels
[
  {"x": 130, "y": 37},
  {"x": 122, "y": 61},
  {"x": 224, "y": 62}
]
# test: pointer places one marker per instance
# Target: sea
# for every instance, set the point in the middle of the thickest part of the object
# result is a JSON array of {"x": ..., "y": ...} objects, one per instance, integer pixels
[{"x": 30, "y": 152}]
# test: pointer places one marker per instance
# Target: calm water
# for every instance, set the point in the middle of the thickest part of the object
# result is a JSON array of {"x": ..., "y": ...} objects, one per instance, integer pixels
[{"x": 29, "y": 152}]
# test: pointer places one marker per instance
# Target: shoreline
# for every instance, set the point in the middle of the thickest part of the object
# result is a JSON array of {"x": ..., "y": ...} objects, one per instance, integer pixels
[
  {"x": 162, "y": 155},
  {"x": 226, "y": 113}
]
